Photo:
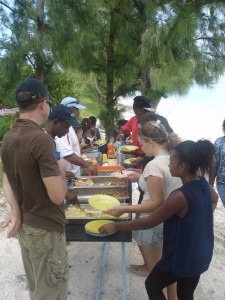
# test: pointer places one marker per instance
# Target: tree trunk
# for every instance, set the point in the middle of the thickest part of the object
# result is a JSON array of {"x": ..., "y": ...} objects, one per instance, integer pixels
[
  {"x": 40, "y": 33},
  {"x": 110, "y": 62}
]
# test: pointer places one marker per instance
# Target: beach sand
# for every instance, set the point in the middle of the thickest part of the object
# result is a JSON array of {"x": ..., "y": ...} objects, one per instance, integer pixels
[{"x": 85, "y": 261}]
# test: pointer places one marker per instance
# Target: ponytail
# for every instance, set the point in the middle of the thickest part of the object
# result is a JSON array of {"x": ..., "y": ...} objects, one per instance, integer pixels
[{"x": 198, "y": 155}]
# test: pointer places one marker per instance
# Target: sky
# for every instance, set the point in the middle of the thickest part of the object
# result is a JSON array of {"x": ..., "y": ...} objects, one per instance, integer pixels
[{"x": 199, "y": 114}]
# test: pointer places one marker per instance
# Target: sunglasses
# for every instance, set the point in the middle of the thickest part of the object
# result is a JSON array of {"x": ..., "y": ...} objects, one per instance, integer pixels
[
  {"x": 49, "y": 102},
  {"x": 73, "y": 102}
]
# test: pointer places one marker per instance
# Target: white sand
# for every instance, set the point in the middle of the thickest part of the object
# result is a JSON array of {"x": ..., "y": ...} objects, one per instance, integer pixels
[{"x": 85, "y": 260}]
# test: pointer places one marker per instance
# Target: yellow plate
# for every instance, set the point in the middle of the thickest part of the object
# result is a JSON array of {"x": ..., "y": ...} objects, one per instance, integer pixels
[
  {"x": 93, "y": 226},
  {"x": 130, "y": 161},
  {"x": 103, "y": 202},
  {"x": 128, "y": 148}
]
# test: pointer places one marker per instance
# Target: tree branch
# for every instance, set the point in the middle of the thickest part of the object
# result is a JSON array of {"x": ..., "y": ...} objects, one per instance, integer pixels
[{"x": 7, "y": 6}]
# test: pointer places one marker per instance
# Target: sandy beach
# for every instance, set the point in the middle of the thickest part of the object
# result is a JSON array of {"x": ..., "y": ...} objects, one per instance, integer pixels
[{"x": 85, "y": 261}]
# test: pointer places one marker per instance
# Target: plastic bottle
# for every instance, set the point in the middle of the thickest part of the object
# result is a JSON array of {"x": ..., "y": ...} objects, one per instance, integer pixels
[
  {"x": 111, "y": 153},
  {"x": 104, "y": 159}
]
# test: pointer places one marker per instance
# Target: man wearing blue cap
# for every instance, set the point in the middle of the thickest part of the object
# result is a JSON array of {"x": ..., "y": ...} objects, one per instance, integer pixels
[
  {"x": 59, "y": 121},
  {"x": 68, "y": 145}
]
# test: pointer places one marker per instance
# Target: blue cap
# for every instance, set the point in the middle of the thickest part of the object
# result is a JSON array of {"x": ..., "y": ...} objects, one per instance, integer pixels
[
  {"x": 72, "y": 102},
  {"x": 65, "y": 114}
]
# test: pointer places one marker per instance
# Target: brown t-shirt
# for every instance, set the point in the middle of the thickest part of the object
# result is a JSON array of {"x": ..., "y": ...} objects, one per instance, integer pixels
[{"x": 28, "y": 155}]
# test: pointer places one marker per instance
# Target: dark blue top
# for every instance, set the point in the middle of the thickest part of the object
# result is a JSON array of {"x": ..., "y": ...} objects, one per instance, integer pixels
[{"x": 188, "y": 242}]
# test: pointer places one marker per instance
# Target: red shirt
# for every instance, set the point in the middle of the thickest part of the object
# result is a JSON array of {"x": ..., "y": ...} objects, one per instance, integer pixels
[{"x": 132, "y": 126}]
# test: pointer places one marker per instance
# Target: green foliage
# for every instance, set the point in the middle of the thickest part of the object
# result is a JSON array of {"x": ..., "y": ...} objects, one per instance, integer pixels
[
  {"x": 183, "y": 44},
  {"x": 101, "y": 50},
  {"x": 5, "y": 125},
  {"x": 109, "y": 117}
]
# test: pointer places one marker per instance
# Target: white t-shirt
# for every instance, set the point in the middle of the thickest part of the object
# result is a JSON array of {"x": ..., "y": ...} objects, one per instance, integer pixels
[
  {"x": 159, "y": 167},
  {"x": 68, "y": 145}
]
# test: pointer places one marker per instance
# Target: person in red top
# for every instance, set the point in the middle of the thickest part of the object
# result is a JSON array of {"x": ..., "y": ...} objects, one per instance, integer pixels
[{"x": 141, "y": 106}]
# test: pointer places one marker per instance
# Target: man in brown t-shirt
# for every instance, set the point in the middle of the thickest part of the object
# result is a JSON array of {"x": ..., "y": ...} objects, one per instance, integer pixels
[{"x": 35, "y": 189}]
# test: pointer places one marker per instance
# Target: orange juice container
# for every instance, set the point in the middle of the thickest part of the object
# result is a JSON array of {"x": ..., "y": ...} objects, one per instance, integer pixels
[{"x": 111, "y": 153}]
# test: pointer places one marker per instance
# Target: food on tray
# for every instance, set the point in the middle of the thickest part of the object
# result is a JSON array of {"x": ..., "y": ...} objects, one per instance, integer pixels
[
  {"x": 84, "y": 211},
  {"x": 84, "y": 182},
  {"x": 123, "y": 175},
  {"x": 116, "y": 194},
  {"x": 128, "y": 148},
  {"x": 130, "y": 161},
  {"x": 119, "y": 174}
]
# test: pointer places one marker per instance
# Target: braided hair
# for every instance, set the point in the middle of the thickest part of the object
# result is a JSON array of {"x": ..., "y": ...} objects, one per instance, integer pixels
[{"x": 155, "y": 131}]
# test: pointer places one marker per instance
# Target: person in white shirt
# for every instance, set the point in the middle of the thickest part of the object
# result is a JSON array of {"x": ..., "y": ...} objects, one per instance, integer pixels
[{"x": 68, "y": 145}]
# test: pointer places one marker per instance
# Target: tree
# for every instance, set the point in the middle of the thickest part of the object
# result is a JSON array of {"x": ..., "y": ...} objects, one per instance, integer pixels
[
  {"x": 157, "y": 47},
  {"x": 184, "y": 44}
]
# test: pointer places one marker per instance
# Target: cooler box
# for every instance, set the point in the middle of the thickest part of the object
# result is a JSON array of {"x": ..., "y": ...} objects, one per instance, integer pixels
[{"x": 107, "y": 170}]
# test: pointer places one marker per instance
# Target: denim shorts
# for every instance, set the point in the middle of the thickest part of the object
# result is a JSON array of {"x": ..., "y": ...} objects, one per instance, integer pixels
[
  {"x": 149, "y": 237},
  {"x": 221, "y": 191},
  {"x": 45, "y": 262}
]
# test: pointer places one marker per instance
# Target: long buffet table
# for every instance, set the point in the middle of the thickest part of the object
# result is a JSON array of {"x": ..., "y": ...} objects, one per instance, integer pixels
[{"x": 75, "y": 231}]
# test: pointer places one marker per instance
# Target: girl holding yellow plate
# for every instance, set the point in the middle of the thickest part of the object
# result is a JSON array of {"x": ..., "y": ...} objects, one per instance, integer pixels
[{"x": 157, "y": 183}]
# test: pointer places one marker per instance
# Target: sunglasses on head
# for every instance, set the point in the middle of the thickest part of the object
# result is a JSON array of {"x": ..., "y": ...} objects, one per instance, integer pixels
[{"x": 73, "y": 102}]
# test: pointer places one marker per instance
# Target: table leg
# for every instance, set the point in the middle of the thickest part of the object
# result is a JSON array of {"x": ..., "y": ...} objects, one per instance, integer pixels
[
  {"x": 100, "y": 277},
  {"x": 124, "y": 291},
  {"x": 103, "y": 263}
]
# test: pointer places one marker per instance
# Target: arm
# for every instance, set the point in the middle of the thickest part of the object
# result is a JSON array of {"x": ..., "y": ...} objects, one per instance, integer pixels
[
  {"x": 214, "y": 197},
  {"x": 212, "y": 175},
  {"x": 157, "y": 197},
  {"x": 135, "y": 176},
  {"x": 14, "y": 217},
  {"x": 56, "y": 187},
  {"x": 175, "y": 204},
  {"x": 76, "y": 160},
  {"x": 71, "y": 197}
]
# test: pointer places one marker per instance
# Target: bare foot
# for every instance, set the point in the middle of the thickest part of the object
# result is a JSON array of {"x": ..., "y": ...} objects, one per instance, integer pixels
[{"x": 139, "y": 270}]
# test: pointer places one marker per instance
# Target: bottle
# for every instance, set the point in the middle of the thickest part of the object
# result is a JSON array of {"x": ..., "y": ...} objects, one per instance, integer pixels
[
  {"x": 104, "y": 159},
  {"x": 111, "y": 153},
  {"x": 120, "y": 154}
]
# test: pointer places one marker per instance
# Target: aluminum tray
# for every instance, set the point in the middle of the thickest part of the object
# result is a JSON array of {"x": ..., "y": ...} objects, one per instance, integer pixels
[
  {"x": 104, "y": 181},
  {"x": 79, "y": 219},
  {"x": 119, "y": 188}
]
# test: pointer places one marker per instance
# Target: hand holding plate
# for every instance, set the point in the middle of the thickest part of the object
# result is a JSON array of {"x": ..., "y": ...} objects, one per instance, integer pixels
[
  {"x": 108, "y": 228},
  {"x": 115, "y": 211}
]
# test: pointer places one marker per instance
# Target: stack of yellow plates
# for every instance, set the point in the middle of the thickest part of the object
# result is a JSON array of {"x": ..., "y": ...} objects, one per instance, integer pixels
[
  {"x": 93, "y": 226},
  {"x": 103, "y": 202}
]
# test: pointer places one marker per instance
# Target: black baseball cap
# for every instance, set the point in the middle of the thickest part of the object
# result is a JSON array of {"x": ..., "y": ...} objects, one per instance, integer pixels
[
  {"x": 31, "y": 89},
  {"x": 65, "y": 114},
  {"x": 142, "y": 102}
]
